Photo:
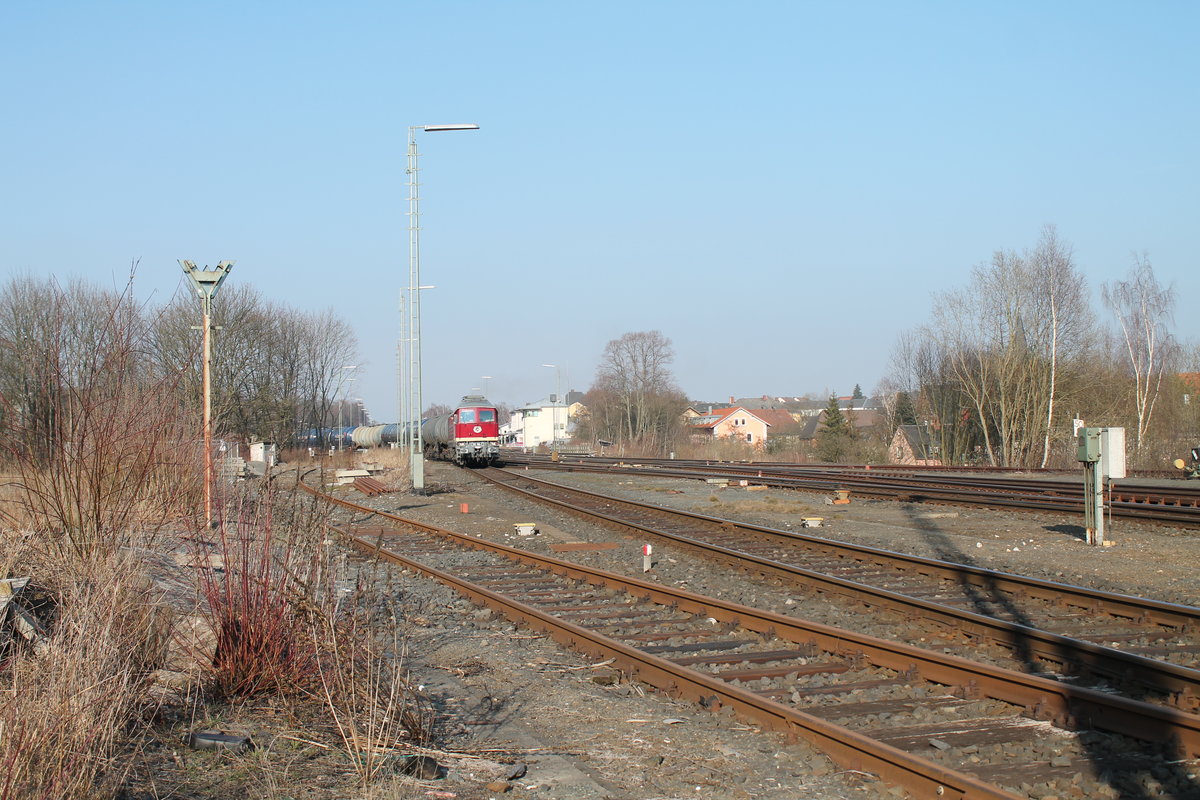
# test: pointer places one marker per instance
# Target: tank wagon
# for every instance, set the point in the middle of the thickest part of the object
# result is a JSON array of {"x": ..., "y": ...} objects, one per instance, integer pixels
[
  {"x": 375, "y": 435},
  {"x": 469, "y": 435}
]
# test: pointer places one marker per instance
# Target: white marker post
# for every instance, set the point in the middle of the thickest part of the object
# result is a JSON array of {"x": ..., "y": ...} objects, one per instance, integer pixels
[{"x": 646, "y": 551}]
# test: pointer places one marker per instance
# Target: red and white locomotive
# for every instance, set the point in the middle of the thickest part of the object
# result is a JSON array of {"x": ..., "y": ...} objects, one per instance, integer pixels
[{"x": 468, "y": 435}]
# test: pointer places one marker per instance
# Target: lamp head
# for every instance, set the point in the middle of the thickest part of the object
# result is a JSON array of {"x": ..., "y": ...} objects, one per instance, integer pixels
[{"x": 206, "y": 281}]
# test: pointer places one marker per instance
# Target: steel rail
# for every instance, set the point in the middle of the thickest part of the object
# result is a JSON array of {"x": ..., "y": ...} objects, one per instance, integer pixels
[
  {"x": 1132, "y": 607},
  {"x": 848, "y": 748},
  {"x": 911, "y": 470},
  {"x": 870, "y": 483},
  {"x": 886, "y": 475},
  {"x": 1180, "y": 683},
  {"x": 1044, "y": 699}
]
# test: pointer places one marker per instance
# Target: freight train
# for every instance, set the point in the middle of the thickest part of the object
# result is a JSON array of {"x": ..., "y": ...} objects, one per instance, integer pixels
[{"x": 469, "y": 435}]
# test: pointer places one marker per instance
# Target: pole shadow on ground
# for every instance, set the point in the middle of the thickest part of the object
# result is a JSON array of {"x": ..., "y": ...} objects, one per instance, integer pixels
[{"x": 1133, "y": 771}]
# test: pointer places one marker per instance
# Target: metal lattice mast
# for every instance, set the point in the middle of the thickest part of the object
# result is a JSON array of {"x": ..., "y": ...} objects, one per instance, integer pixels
[{"x": 417, "y": 440}]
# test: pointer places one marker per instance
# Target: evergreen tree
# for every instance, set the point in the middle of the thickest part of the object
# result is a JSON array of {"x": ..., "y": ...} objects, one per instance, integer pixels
[
  {"x": 906, "y": 412},
  {"x": 835, "y": 421},
  {"x": 835, "y": 439},
  {"x": 858, "y": 394}
]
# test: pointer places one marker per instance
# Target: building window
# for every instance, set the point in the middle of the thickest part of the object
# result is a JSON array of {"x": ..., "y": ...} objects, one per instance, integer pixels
[{"x": 749, "y": 437}]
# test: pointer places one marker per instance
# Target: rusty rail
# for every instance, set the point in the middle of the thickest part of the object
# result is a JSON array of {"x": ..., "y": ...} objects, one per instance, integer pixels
[
  {"x": 1181, "y": 684},
  {"x": 1178, "y": 506},
  {"x": 1044, "y": 698}
]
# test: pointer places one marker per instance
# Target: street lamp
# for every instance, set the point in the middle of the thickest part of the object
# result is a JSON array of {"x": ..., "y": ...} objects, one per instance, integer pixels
[
  {"x": 554, "y": 408},
  {"x": 345, "y": 379},
  {"x": 413, "y": 417},
  {"x": 404, "y": 385},
  {"x": 206, "y": 282}
]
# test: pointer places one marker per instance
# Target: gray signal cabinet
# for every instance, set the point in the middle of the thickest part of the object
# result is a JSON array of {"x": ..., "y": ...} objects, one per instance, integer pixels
[{"x": 1102, "y": 453}]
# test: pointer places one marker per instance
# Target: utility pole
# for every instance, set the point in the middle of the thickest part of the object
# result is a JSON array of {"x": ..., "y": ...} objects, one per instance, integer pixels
[
  {"x": 342, "y": 402},
  {"x": 554, "y": 411},
  {"x": 206, "y": 282}
]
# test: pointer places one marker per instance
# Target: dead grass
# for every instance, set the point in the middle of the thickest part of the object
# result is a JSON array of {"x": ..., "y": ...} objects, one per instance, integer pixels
[
  {"x": 395, "y": 461},
  {"x": 766, "y": 505},
  {"x": 66, "y": 705},
  {"x": 99, "y": 460},
  {"x": 392, "y": 459},
  {"x": 365, "y": 686},
  {"x": 288, "y": 621}
]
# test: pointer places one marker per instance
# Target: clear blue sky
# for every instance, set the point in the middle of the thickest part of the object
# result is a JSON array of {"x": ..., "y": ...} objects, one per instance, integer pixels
[{"x": 777, "y": 186}]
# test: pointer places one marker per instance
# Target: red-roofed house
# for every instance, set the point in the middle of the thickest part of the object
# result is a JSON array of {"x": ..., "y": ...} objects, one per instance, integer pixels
[{"x": 737, "y": 423}]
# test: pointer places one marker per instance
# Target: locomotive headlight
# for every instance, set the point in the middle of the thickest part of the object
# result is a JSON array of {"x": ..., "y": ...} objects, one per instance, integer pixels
[{"x": 478, "y": 429}]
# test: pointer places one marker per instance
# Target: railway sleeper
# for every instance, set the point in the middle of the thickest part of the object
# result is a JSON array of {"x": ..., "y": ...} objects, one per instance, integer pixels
[
  {"x": 848, "y": 746},
  {"x": 993, "y": 603}
]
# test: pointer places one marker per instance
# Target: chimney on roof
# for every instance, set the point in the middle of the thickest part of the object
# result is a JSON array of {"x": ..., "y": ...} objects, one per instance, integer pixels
[{"x": 730, "y": 399}]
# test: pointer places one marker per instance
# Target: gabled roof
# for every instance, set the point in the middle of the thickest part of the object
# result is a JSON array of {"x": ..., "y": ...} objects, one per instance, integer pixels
[
  {"x": 540, "y": 405},
  {"x": 919, "y": 438},
  {"x": 810, "y": 426},
  {"x": 719, "y": 415},
  {"x": 777, "y": 418}
]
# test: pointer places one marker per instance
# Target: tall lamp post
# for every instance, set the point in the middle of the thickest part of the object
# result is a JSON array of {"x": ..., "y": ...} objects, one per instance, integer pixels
[
  {"x": 413, "y": 417},
  {"x": 206, "y": 282},
  {"x": 346, "y": 379},
  {"x": 554, "y": 408}
]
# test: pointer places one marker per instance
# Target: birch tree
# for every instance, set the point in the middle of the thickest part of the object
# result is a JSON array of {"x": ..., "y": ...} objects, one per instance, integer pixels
[
  {"x": 1006, "y": 336},
  {"x": 1062, "y": 313},
  {"x": 1143, "y": 309}
]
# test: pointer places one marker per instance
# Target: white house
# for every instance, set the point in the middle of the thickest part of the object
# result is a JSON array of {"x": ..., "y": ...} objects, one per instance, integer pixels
[{"x": 537, "y": 423}]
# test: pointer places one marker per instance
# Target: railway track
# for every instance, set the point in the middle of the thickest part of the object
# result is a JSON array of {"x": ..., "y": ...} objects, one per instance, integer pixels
[
  {"x": 937, "y": 725},
  {"x": 1144, "y": 648},
  {"x": 1174, "y": 505}
]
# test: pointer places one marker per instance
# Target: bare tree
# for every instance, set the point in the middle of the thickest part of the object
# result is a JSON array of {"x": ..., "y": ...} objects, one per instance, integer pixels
[
  {"x": 97, "y": 449},
  {"x": 634, "y": 396},
  {"x": 942, "y": 401},
  {"x": 276, "y": 371},
  {"x": 1006, "y": 337},
  {"x": 1143, "y": 310},
  {"x": 1062, "y": 315}
]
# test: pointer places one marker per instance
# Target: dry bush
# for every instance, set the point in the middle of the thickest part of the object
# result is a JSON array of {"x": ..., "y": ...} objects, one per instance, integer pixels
[
  {"x": 365, "y": 684},
  {"x": 286, "y": 621},
  {"x": 725, "y": 448},
  {"x": 256, "y": 600},
  {"x": 65, "y": 706}
]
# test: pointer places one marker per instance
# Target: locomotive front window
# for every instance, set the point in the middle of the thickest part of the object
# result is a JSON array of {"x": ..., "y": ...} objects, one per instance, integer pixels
[
  {"x": 466, "y": 415},
  {"x": 487, "y": 415}
]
